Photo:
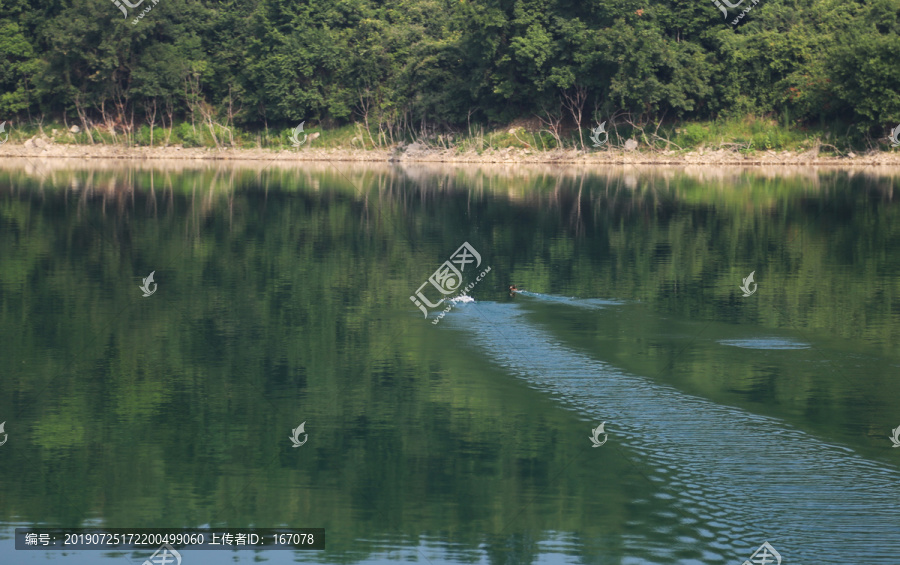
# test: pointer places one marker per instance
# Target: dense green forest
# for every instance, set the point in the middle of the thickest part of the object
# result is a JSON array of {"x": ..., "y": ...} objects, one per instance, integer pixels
[{"x": 413, "y": 68}]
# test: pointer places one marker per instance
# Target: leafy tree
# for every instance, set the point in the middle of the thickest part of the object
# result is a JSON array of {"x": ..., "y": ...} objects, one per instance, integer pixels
[{"x": 404, "y": 64}]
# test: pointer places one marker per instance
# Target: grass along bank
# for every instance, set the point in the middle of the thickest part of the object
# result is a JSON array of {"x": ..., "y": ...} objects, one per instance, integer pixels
[{"x": 537, "y": 140}]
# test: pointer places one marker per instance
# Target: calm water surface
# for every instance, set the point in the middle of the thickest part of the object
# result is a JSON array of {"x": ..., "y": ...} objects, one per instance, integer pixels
[{"x": 284, "y": 297}]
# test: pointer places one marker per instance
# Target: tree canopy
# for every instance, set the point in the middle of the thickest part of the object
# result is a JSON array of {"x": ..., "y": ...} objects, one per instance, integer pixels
[{"x": 447, "y": 62}]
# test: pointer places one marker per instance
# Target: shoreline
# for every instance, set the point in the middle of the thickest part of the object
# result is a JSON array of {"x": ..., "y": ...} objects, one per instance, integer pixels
[{"x": 421, "y": 154}]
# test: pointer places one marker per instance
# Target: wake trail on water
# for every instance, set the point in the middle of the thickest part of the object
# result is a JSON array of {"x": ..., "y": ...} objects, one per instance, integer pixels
[
  {"x": 746, "y": 478},
  {"x": 592, "y": 303}
]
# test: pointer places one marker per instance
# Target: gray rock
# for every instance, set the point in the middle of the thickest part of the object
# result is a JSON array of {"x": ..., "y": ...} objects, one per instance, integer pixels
[
  {"x": 29, "y": 144},
  {"x": 39, "y": 143},
  {"x": 631, "y": 145},
  {"x": 415, "y": 146},
  {"x": 851, "y": 154},
  {"x": 74, "y": 129},
  {"x": 313, "y": 136}
]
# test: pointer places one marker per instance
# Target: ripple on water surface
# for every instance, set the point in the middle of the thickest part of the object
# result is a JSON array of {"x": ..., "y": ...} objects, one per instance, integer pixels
[
  {"x": 593, "y": 303},
  {"x": 740, "y": 476},
  {"x": 764, "y": 343}
]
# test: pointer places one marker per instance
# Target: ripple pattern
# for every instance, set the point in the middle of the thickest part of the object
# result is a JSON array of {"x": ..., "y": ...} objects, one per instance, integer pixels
[{"x": 737, "y": 479}]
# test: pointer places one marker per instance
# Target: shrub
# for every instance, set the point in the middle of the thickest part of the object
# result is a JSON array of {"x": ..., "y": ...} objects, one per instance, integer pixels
[
  {"x": 189, "y": 138},
  {"x": 142, "y": 135},
  {"x": 693, "y": 135}
]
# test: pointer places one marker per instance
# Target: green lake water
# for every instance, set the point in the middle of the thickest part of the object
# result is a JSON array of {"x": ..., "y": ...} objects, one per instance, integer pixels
[{"x": 283, "y": 297}]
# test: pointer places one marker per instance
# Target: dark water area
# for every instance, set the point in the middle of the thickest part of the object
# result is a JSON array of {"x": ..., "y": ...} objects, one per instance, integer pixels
[{"x": 283, "y": 296}]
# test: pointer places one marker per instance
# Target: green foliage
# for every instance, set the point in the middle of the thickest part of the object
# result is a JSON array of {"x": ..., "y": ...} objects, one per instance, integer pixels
[
  {"x": 142, "y": 136},
  {"x": 19, "y": 67},
  {"x": 410, "y": 69},
  {"x": 864, "y": 63},
  {"x": 753, "y": 134},
  {"x": 187, "y": 135},
  {"x": 694, "y": 135},
  {"x": 771, "y": 140}
]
